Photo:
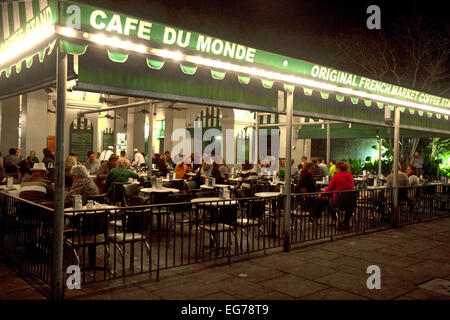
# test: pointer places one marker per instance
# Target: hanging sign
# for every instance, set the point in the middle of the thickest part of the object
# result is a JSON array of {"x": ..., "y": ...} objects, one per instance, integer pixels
[{"x": 139, "y": 31}]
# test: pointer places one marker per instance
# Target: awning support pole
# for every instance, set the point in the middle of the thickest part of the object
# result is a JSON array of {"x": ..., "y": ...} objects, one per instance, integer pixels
[
  {"x": 396, "y": 163},
  {"x": 257, "y": 142},
  {"x": 58, "y": 220},
  {"x": 287, "y": 172},
  {"x": 150, "y": 142},
  {"x": 328, "y": 143},
  {"x": 380, "y": 145}
]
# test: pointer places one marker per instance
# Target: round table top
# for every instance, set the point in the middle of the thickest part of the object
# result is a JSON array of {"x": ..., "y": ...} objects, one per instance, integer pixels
[
  {"x": 192, "y": 174},
  {"x": 322, "y": 182},
  {"x": 168, "y": 180},
  {"x": 70, "y": 211},
  {"x": 214, "y": 201},
  {"x": 162, "y": 189},
  {"x": 267, "y": 194},
  {"x": 204, "y": 186}
]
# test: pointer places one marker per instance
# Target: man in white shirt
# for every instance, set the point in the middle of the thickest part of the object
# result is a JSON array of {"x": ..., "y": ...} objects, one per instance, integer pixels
[
  {"x": 104, "y": 156},
  {"x": 138, "y": 158}
]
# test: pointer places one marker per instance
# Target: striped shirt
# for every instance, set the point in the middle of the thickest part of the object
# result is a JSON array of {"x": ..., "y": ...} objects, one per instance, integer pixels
[{"x": 36, "y": 188}]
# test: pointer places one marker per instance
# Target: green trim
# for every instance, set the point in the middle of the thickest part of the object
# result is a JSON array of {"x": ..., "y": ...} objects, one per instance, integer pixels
[
  {"x": 289, "y": 87},
  {"x": 340, "y": 98},
  {"x": 42, "y": 55},
  {"x": 420, "y": 113},
  {"x": 188, "y": 69},
  {"x": 307, "y": 91},
  {"x": 411, "y": 111},
  {"x": 243, "y": 79},
  {"x": 19, "y": 66},
  {"x": 268, "y": 84},
  {"x": 117, "y": 56},
  {"x": 380, "y": 105},
  {"x": 218, "y": 75},
  {"x": 155, "y": 64},
  {"x": 391, "y": 107},
  {"x": 367, "y": 103},
  {"x": 354, "y": 100},
  {"x": 72, "y": 48},
  {"x": 438, "y": 115},
  {"x": 324, "y": 95},
  {"x": 429, "y": 114},
  {"x": 29, "y": 61},
  {"x": 402, "y": 109}
]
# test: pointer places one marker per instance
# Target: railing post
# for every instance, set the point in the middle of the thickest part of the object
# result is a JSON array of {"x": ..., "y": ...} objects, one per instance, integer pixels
[
  {"x": 287, "y": 173},
  {"x": 58, "y": 219},
  {"x": 396, "y": 164},
  {"x": 150, "y": 143}
]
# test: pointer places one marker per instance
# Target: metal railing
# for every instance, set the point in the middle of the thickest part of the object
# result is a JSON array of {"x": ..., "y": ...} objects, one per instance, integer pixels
[
  {"x": 111, "y": 242},
  {"x": 26, "y": 236}
]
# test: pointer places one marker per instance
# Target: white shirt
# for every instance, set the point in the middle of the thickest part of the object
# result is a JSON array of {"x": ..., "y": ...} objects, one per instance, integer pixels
[
  {"x": 105, "y": 155},
  {"x": 138, "y": 159}
]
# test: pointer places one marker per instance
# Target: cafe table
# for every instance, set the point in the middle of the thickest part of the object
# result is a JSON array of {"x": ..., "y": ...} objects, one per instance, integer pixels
[
  {"x": 204, "y": 186},
  {"x": 267, "y": 194},
  {"x": 162, "y": 189}
]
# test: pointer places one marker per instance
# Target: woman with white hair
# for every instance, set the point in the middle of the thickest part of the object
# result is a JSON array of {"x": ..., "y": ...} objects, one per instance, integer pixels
[
  {"x": 82, "y": 184},
  {"x": 119, "y": 174},
  {"x": 71, "y": 161}
]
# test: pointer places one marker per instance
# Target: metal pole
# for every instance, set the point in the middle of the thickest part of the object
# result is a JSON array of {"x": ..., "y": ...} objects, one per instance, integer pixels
[
  {"x": 287, "y": 172},
  {"x": 328, "y": 143},
  {"x": 380, "y": 145},
  {"x": 257, "y": 142},
  {"x": 115, "y": 108},
  {"x": 396, "y": 162},
  {"x": 150, "y": 142},
  {"x": 58, "y": 220}
]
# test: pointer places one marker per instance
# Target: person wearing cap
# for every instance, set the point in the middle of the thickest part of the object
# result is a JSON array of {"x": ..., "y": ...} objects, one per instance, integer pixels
[
  {"x": 36, "y": 187},
  {"x": 103, "y": 172},
  {"x": 138, "y": 158},
  {"x": 104, "y": 156}
]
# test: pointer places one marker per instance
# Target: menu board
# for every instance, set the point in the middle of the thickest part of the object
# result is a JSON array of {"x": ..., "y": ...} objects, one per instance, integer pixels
[
  {"x": 81, "y": 138},
  {"x": 108, "y": 139}
]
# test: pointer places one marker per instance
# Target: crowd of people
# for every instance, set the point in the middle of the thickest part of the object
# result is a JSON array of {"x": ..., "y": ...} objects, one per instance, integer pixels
[{"x": 97, "y": 175}]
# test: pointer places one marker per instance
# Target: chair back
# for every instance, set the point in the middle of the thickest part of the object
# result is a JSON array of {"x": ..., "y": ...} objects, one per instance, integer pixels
[
  {"x": 244, "y": 193},
  {"x": 177, "y": 184},
  {"x": 190, "y": 185},
  {"x": 136, "y": 221},
  {"x": 402, "y": 194},
  {"x": 118, "y": 193},
  {"x": 131, "y": 189},
  {"x": 347, "y": 199},
  {"x": 256, "y": 208},
  {"x": 160, "y": 197},
  {"x": 205, "y": 194},
  {"x": 92, "y": 223},
  {"x": 224, "y": 213},
  {"x": 177, "y": 200}
]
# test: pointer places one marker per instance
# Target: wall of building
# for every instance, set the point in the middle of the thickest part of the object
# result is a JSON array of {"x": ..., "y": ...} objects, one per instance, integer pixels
[
  {"x": 37, "y": 123},
  {"x": 9, "y": 133}
]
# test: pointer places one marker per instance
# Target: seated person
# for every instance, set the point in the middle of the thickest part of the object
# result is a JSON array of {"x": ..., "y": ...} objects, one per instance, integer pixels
[
  {"x": 306, "y": 182},
  {"x": 182, "y": 169},
  {"x": 403, "y": 179},
  {"x": 247, "y": 175},
  {"x": 119, "y": 174},
  {"x": 414, "y": 181},
  {"x": 203, "y": 174},
  {"x": 103, "y": 171},
  {"x": 82, "y": 184},
  {"x": 36, "y": 187},
  {"x": 215, "y": 173},
  {"x": 71, "y": 161},
  {"x": 92, "y": 164},
  {"x": 341, "y": 181}
]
